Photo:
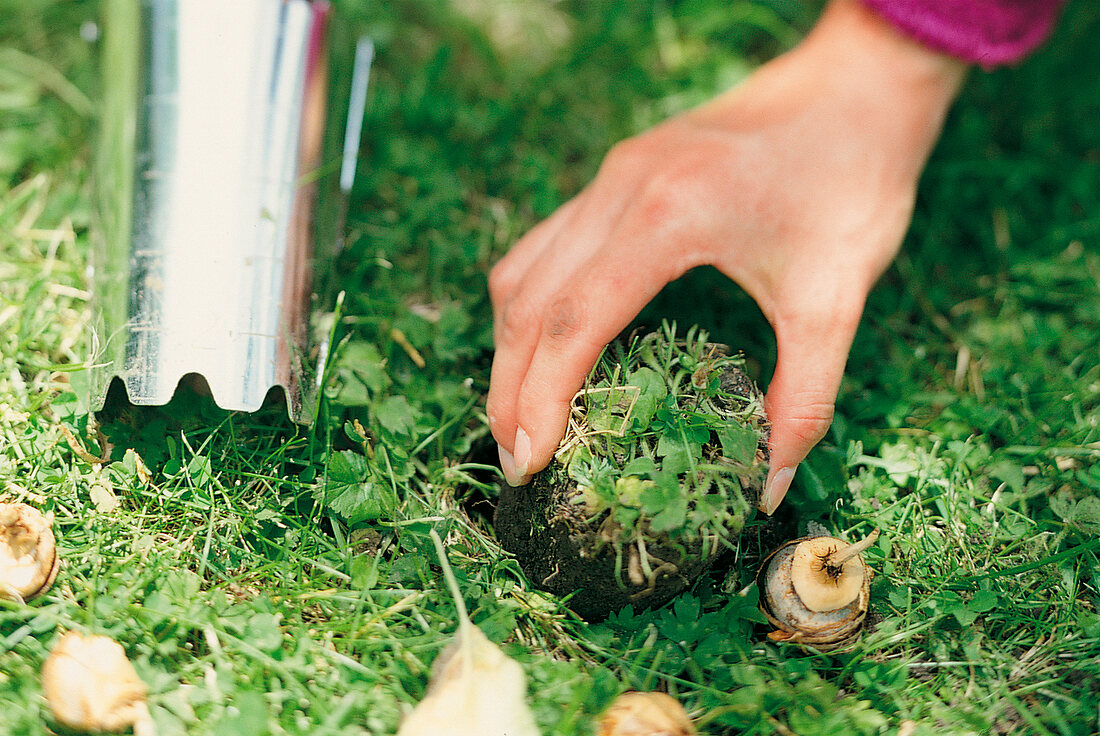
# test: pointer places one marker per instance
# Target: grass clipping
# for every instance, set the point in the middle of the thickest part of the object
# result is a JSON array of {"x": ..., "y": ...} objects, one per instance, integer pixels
[{"x": 662, "y": 464}]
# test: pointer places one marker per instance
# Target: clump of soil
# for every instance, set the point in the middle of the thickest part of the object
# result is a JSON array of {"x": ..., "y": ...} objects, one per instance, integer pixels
[{"x": 662, "y": 465}]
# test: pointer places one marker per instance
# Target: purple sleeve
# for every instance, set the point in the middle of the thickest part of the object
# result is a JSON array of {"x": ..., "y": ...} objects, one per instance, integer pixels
[{"x": 986, "y": 32}]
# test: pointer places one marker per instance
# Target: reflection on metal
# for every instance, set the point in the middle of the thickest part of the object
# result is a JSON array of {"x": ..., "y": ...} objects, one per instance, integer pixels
[
  {"x": 212, "y": 158},
  {"x": 357, "y": 105}
]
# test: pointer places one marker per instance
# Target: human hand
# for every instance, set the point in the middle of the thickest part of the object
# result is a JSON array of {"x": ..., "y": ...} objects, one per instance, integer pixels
[{"x": 798, "y": 185}]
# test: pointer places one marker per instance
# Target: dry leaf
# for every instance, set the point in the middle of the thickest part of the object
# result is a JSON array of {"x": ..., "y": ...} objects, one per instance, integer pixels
[
  {"x": 90, "y": 685},
  {"x": 140, "y": 468},
  {"x": 476, "y": 689},
  {"x": 103, "y": 496},
  {"x": 645, "y": 714}
]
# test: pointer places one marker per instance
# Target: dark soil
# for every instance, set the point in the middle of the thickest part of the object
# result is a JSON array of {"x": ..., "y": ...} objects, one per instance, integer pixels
[{"x": 564, "y": 554}]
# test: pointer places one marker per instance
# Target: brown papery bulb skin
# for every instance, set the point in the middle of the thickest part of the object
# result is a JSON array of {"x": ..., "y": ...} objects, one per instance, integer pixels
[
  {"x": 816, "y": 591},
  {"x": 90, "y": 685},
  {"x": 28, "y": 552},
  {"x": 645, "y": 714}
]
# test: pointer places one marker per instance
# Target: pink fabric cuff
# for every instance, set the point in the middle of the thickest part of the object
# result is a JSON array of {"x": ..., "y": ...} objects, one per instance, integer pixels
[{"x": 986, "y": 32}]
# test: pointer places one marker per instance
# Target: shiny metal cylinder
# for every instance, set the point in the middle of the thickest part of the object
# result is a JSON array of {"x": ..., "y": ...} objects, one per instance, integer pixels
[{"x": 211, "y": 160}]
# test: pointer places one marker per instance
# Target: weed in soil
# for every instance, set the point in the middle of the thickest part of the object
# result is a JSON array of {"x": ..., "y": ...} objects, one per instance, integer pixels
[{"x": 658, "y": 473}]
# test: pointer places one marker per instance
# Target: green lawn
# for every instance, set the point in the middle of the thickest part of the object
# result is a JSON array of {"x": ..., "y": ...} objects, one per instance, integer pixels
[{"x": 266, "y": 578}]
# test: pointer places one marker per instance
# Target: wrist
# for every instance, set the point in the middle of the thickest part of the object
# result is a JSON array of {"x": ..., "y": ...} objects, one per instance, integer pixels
[{"x": 863, "y": 58}]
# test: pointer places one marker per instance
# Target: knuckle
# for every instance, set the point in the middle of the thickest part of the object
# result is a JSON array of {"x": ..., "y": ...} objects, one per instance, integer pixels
[
  {"x": 515, "y": 318},
  {"x": 564, "y": 319},
  {"x": 623, "y": 156},
  {"x": 666, "y": 199},
  {"x": 657, "y": 203},
  {"x": 809, "y": 422},
  {"x": 501, "y": 283}
]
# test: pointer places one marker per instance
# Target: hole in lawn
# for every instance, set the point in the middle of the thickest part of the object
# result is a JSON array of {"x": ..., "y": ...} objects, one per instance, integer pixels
[
  {"x": 704, "y": 296},
  {"x": 479, "y": 504},
  {"x": 191, "y": 411}
]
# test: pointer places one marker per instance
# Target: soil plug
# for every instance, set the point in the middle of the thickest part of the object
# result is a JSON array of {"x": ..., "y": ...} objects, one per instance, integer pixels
[
  {"x": 91, "y": 686},
  {"x": 645, "y": 714},
  {"x": 659, "y": 470},
  {"x": 28, "y": 552},
  {"x": 815, "y": 590},
  {"x": 476, "y": 690}
]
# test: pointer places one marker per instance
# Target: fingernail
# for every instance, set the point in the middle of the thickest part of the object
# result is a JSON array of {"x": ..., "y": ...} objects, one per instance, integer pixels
[
  {"x": 522, "y": 450},
  {"x": 508, "y": 467},
  {"x": 776, "y": 489}
]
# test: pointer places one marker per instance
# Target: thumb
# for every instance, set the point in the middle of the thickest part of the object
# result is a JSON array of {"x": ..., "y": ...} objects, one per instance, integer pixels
[{"x": 812, "y": 351}]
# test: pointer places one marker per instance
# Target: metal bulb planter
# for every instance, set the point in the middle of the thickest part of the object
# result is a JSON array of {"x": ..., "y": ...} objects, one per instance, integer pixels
[{"x": 227, "y": 148}]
